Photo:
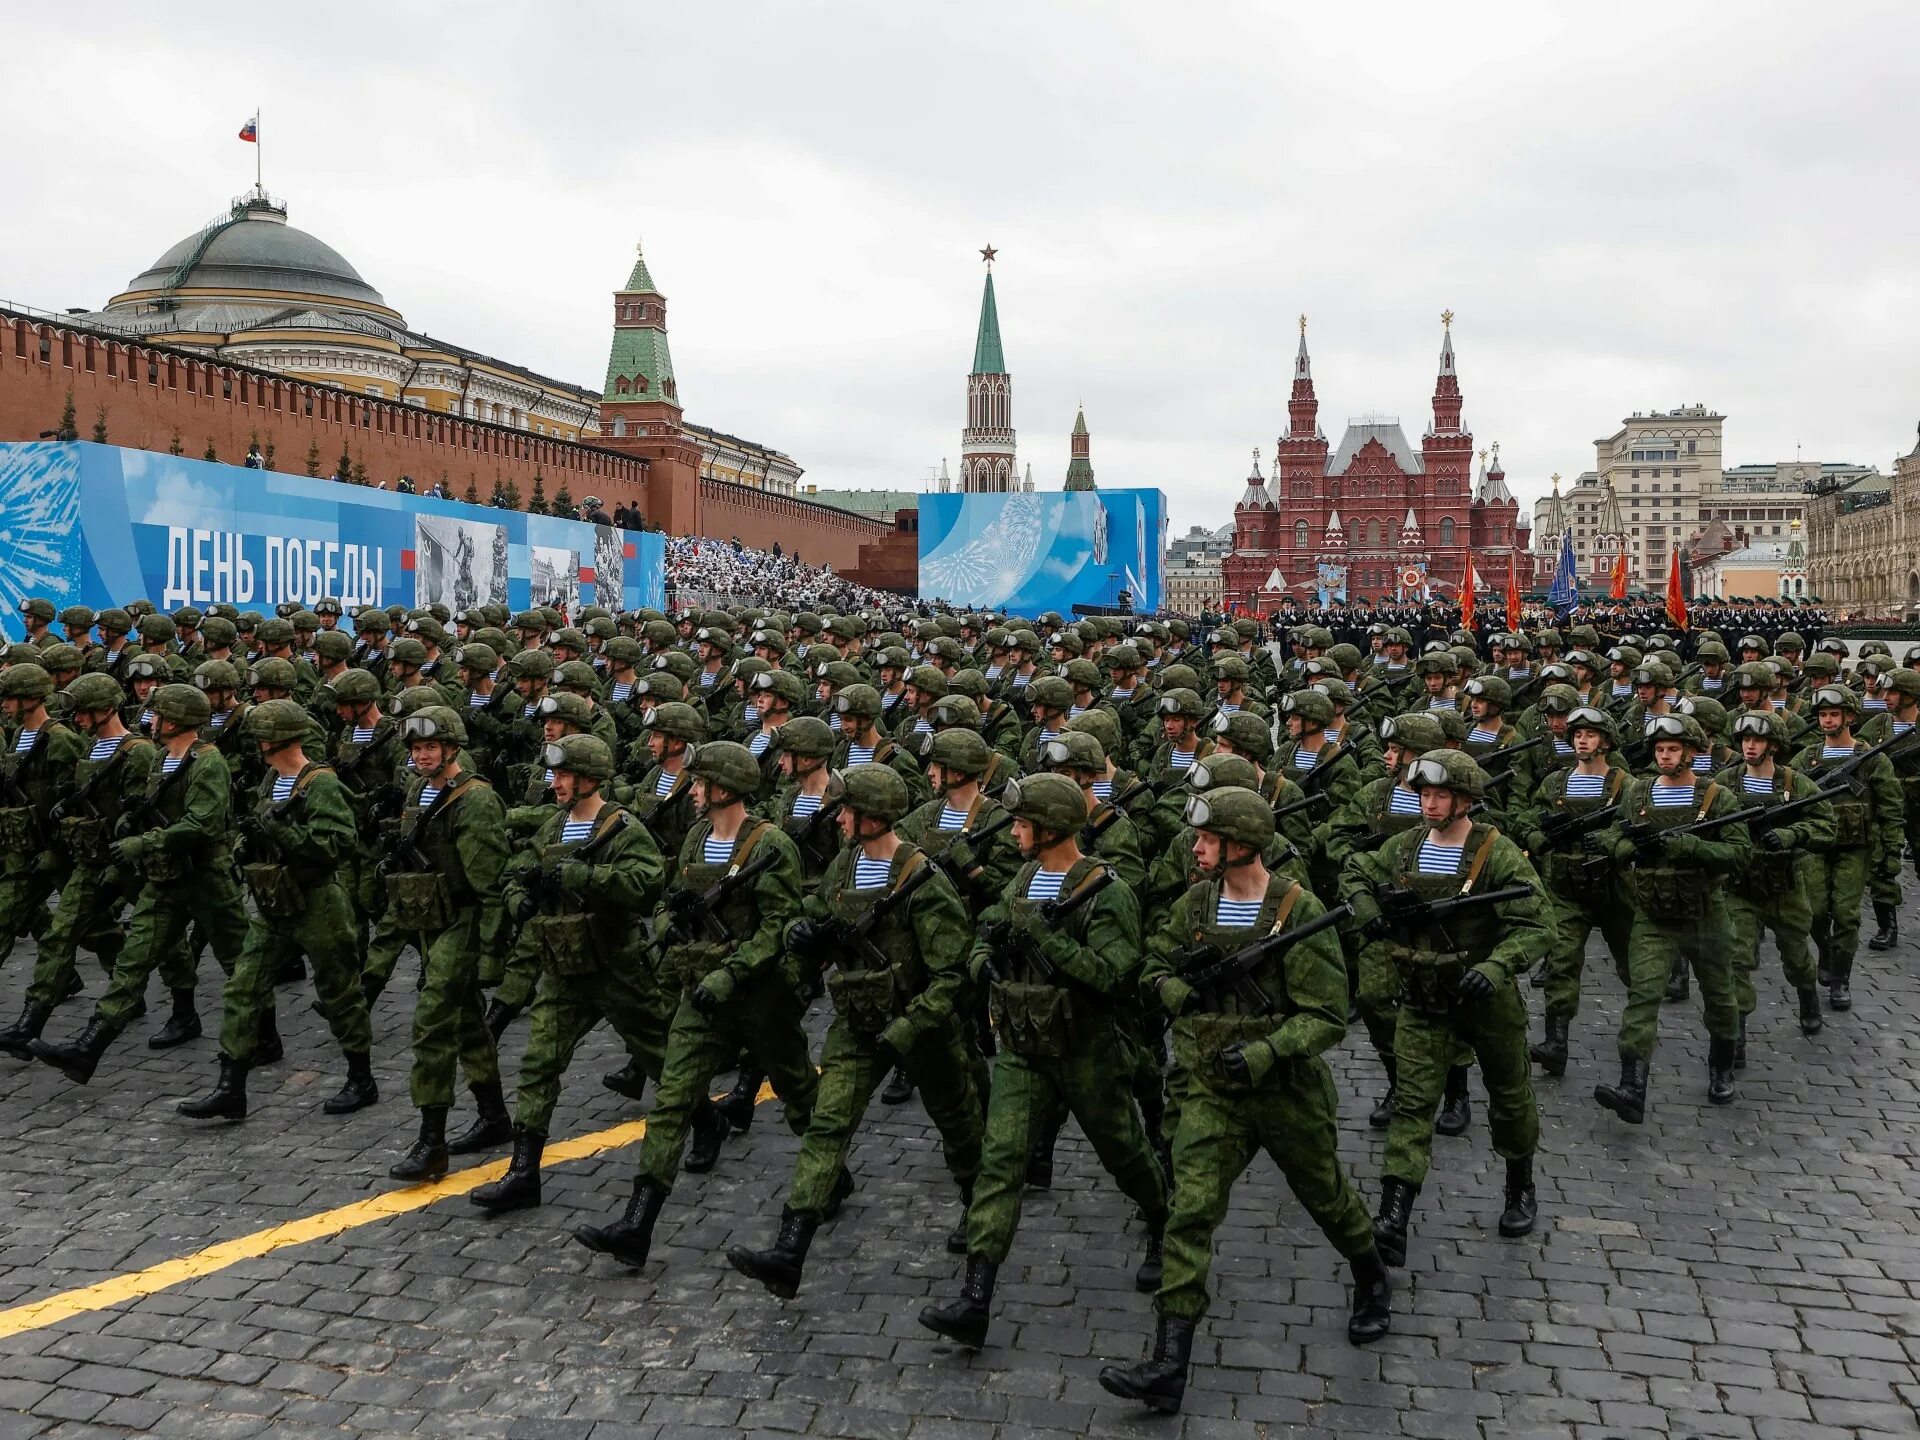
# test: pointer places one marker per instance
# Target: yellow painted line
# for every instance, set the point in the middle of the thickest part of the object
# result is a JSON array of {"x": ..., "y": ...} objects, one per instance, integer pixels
[{"x": 138, "y": 1284}]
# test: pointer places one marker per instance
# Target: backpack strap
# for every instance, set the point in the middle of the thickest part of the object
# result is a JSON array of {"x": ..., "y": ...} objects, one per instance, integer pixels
[{"x": 1480, "y": 858}]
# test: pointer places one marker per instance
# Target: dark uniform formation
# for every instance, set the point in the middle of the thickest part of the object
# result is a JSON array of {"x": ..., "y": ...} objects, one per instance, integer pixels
[{"x": 1112, "y": 871}]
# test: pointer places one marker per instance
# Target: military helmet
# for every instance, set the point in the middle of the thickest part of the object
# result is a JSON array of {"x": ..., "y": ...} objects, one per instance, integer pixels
[
  {"x": 1125, "y": 656},
  {"x": 434, "y": 722},
  {"x": 782, "y": 684},
  {"x": 1346, "y": 656},
  {"x": 1711, "y": 714},
  {"x": 1711, "y": 650},
  {"x": 1453, "y": 770},
  {"x": 26, "y": 681},
  {"x": 962, "y": 751},
  {"x": 1081, "y": 674},
  {"x": 1217, "y": 771},
  {"x": 221, "y": 633},
  {"x": 102, "y": 692},
  {"x": 58, "y": 658},
  {"x": 677, "y": 719},
  {"x": 1179, "y": 676},
  {"x": 1052, "y": 802},
  {"x": 355, "y": 687},
  {"x": 77, "y": 617},
  {"x": 476, "y": 655},
  {"x": 1185, "y": 703},
  {"x": 808, "y": 737},
  {"x": 1051, "y": 691},
  {"x": 1491, "y": 688},
  {"x": 1417, "y": 731},
  {"x": 113, "y": 621},
  {"x": 216, "y": 675},
  {"x": 1453, "y": 725},
  {"x": 860, "y": 701},
  {"x": 927, "y": 681},
  {"x": 1905, "y": 683},
  {"x": 1589, "y": 717},
  {"x": 408, "y": 652},
  {"x": 147, "y": 667},
  {"x": 1831, "y": 696},
  {"x": 176, "y": 704},
  {"x": 1074, "y": 750},
  {"x": 661, "y": 687},
  {"x": 155, "y": 628},
  {"x": 1790, "y": 640},
  {"x": 727, "y": 764},
  {"x": 1437, "y": 662},
  {"x": 415, "y": 698},
  {"x": 577, "y": 675},
  {"x": 527, "y": 664},
  {"x": 333, "y": 646},
  {"x": 1867, "y": 647},
  {"x": 970, "y": 683},
  {"x": 951, "y": 711},
  {"x": 1232, "y": 667},
  {"x": 1752, "y": 675},
  {"x": 1103, "y": 725},
  {"x": 278, "y": 722},
  {"x": 565, "y": 706},
  {"x": 1312, "y": 706},
  {"x": 1820, "y": 665},
  {"x": 1559, "y": 700},
  {"x": 1247, "y": 733},
  {"x": 1683, "y": 728},
  {"x": 1233, "y": 812},
  {"x": 584, "y": 755},
  {"x": 877, "y": 791}
]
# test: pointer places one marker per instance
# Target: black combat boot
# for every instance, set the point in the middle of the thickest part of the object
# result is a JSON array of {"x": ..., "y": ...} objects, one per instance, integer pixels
[
  {"x": 709, "y": 1128},
  {"x": 267, "y": 1049},
  {"x": 17, "y": 1039},
  {"x": 519, "y": 1188},
  {"x": 965, "y": 1321},
  {"x": 1720, "y": 1071},
  {"x": 629, "y": 1238},
  {"x": 1810, "y": 1021},
  {"x": 899, "y": 1089},
  {"x": 1160, "y": 1381},
  {"x": 499, "y": 1016},
  {"x": 1840, "y": 986},
  {"x": 1551, "y": 1053},
  {"x": 1040, "y": 1153},
  {"x": 427, "y": 1160},
  {"x": 1146, "y": 1278},
  {"x": 957, "y": 1237},
  {"x": 629, "y": 1080},
  {"x": 74, "y": 985},
  {"x": 1371, "y": 1316},
  {"x": 1887, "y": 917},
  {"x": 737, "y": 1105},
  {"x": 1381, "y": 1116},
  {"x": 226, "y": 1101},
  {"x": 1390, "y": 1225},
  {"x": 1677, "y": 986},
  {"x": 182, "y": 1025},
  {"x": 492, "y": 1126},
  {"x": 79, "y": 1060},
  {"x": 1628, "y": 1099},
  {"x": 779, "y": 1268},
  {"x": 1456, "y": 1106},
  {"x": 1522, "y": 1206},
  {"x": 359, "y": 1091}
]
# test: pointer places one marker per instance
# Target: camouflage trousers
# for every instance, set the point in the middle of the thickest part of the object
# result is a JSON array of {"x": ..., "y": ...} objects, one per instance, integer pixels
[
  {"x": 1705, "y": 943},
  {"x": 851, "y": 1068},
  {"x": 1574, "y": 920},
  {"x": 1379, "y": 995},
  {"x": 1777, "y": 903},
  {"x": 88, "y": 914},
  {"x": 449, "y": 1014},
  {"x": 1294, "y": 1117},
  {"x": 157, "y": 932},
  {"x": 762, "y": 1017},
  {"x": 1835, "y": 885},
  {"x": 521, "y": 976},
  {"x": 24, "y": 887},
  {"x": 623, "y": 992},
  {"x": 1427, "y": 1045},
  {"x": 1096, "y": 1086},
  {"x": 324, "y": 932}
]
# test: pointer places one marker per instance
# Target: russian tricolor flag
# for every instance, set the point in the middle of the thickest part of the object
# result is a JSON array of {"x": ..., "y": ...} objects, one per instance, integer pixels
[{"x": 250, "y": 132}]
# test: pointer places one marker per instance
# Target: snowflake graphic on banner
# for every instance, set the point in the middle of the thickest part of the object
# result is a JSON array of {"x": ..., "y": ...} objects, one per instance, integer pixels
[
  {"x": 39, "y": 510},
  {"x": 996, "y": 562}
]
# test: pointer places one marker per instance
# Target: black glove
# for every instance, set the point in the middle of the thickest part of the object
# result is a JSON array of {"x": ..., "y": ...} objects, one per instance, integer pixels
[
  {"x": 1475, "y": 985},
  {"x": 525, "y": 908},
  {"x": 1233, "y": 1060},
  {"x": 1774, "y": 840},
  {"x": 804, "y": 936},
  {"x": 704, "y": 1000},
  {"x": 1378, "y": 928}
]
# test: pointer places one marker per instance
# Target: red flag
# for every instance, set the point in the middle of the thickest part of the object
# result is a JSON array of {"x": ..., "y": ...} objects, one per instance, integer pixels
[
  {"x": 1617, "y": 590},
  {"x": 1676, "y": 597},
  {"x": 250, "y": 132},
  {"x": 1466, "y": 597},
  {"x": 1513, "y": 594}
]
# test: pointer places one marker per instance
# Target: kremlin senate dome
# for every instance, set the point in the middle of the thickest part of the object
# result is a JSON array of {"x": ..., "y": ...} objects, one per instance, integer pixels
[{"x": 253, "y": 250}]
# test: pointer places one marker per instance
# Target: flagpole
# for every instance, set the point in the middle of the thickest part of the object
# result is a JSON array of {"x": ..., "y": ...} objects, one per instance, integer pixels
[{"x": 259, "y": 160}]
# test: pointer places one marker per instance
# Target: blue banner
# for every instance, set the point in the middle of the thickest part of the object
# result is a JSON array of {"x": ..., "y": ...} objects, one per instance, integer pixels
[
  {"x": 1028, "y": 553},
  {"x": 98, "y": 525}
]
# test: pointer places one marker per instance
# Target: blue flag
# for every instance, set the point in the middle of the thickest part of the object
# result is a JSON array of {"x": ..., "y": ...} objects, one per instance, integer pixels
[{"x": 1566, "y": 588}]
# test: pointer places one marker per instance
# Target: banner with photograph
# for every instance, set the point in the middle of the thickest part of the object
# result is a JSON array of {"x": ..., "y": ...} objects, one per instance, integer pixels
[
  {"x": 1030, "y": 552},
  {"x": 99, "y": 525}
]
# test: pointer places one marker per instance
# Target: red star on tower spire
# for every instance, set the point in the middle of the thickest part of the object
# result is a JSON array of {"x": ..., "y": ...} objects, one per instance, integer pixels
[{"x": 988, "y": 254}]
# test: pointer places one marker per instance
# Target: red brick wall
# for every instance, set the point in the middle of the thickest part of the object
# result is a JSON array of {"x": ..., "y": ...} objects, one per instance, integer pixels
[{"x": 819, "y": 534}]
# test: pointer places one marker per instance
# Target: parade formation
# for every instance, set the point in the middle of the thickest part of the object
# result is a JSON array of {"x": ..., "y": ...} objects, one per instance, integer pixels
[{"x": 1139, "y": 874}]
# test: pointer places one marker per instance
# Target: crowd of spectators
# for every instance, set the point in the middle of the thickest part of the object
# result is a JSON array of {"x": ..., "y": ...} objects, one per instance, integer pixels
[{"x": 730, "y": 571}]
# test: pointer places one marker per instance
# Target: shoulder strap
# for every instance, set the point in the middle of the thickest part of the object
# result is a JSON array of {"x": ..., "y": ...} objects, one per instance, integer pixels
[
  {"x": 305, "y": 777},
  {"x": 1706, "y": 801},
  {"x": 1480, "y": 858},
  {"x": 743, "y": 848},
  {"x": 1287, "y": 902},
  {"x": 914, "y": 861},
  {"x": 1616, "y": 782}
]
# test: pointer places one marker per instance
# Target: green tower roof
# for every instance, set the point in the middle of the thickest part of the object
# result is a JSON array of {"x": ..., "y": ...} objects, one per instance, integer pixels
[
  {"x": 639, "y": 282},
  {"x": 987, "y": 356}
]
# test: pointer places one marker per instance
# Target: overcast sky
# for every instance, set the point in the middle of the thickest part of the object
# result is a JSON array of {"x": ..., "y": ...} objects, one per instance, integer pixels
[{"x": 1627, "y": 207}]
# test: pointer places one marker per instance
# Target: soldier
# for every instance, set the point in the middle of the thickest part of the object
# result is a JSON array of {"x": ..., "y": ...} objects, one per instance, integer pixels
[
  {"x": 1459, "y": 972},
  {"x": 946, "y": 825},
  {"x": 1583, "y": 892},
  {"x": 176, "y": 840},
  {"x": 1902, "y": 689},
  {"x": 369, "y": 759},
  {"x": 1772, "y": 894},
  {"x": 894, "y": 931},
  {"x": 443, "y": 893},
  {"x": 1065, "y": 921},
  {"x": 294, "y": 846},
  {"x": 730, "y": 896},
  {"x": 1679, "y": 918},
  {"x": 1250, "y": 1077},
  {"x": 1869, "y": 831},
  {"x": 664, "y": 797},
  {"x": 36, "y": 618},
  {"x": 806, "y": 805},
  {"x": 578, "y": 889},
  {"x": 856, "y": 710},
  {"x": 36, "y": 772}
]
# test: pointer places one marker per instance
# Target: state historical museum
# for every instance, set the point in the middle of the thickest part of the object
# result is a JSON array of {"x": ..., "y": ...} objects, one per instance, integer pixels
[{"x": 1373, "y": 519}]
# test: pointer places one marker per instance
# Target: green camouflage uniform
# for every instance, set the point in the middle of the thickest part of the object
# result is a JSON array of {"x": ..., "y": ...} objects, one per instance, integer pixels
[
  {"x": 1771, "y": 893},
  {"x": 33, "y": 867},
  {"x": 1583, "y": 891},
  {"x": 1869, "y": 834}
]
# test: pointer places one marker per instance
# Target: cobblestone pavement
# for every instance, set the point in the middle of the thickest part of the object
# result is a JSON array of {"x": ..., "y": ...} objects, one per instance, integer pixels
[{"x": 1740, "y": 1272}]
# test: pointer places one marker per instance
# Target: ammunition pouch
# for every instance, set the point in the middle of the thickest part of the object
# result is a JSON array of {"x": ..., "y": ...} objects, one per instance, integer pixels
[
  {"x": 1774, "y": 871},
  {"x": 19, "y": 831},
  {"x": 1033, "y": 1020},
  {"x": 565, "y": 943},
  {"x": 420, "y": 900},
  {"x": 1199, "y": 1039},
  {"x": 276, "y": 890},
  {"x": 1667, "y": 894},
  {"x": 1431, "y": 981},
  {"x": 1570, "y": 877},
  {"x": 84, "y": 839},
  {"x": 864, "y": 1000},
  {"x": 693, "y": 963},
  {"x": 1852, "y": 824}
]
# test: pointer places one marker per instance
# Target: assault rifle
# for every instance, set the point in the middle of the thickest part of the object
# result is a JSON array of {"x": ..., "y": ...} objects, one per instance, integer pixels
[
  {"x": 378, "y": 801},
  {"x": 1501, "y": 777},
  {"x": 258, "y": 844},
  {"x": 857, "y": 935},
  {"x": 1294, "y": 807},
  {"x": 970, "y": 875},
  {"x": 542, "y": 883},
  {"x": 1211, "y": 973},
  {"x": 13, "y": 796},
  {"x": 691, "y": 917},
  {"x": 1002, "y": 936},
  {"x": 1405, "y": 911},
  {"x": 1565, "y": 826},
  {"x": 143, "y": 813}
]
